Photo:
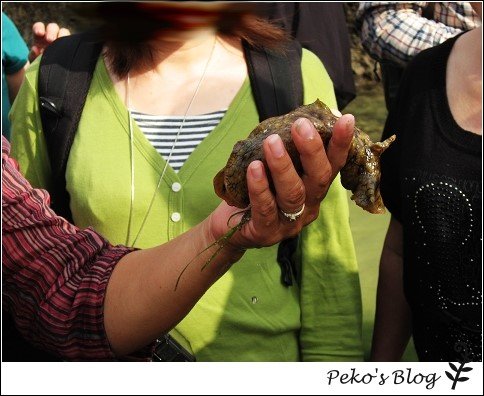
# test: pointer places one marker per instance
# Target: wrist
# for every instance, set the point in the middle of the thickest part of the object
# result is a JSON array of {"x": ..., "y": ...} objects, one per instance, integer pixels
[{"x": 213, "y": 235}]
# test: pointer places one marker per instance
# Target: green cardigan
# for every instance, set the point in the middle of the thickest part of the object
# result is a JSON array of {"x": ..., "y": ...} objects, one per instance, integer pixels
[{"x": 248, "y": 315}]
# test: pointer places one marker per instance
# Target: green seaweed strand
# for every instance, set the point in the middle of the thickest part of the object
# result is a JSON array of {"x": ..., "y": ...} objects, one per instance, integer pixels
[{"x": 221, "y": 242}]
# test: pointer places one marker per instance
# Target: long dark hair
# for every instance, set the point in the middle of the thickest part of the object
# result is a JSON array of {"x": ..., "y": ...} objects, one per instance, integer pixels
[{"x": 127, "y": 28}]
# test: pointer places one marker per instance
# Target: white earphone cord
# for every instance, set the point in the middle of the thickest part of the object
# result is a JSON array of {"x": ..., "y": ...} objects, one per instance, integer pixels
[
  {"x": 169, "y": 156},
  {"x": 131, "y": 153}
]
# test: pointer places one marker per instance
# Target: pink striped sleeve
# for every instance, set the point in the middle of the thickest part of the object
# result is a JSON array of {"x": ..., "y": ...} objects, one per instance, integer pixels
[{"x": 54, "y": 275}]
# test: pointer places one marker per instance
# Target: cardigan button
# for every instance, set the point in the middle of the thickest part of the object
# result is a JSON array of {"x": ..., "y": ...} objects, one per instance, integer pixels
[
  {"x": 175, "y": 217},
  {"x": 175, "y": 187}
]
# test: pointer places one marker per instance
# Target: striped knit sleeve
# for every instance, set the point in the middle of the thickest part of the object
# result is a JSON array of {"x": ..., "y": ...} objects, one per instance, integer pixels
[{"x": 54, "y": 275}]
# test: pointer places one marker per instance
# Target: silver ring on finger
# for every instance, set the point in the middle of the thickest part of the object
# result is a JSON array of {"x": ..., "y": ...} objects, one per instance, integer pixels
[{"x": 293, "y": 216}]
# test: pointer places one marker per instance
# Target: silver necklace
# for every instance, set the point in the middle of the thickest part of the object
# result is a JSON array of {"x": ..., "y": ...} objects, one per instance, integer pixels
[{"x": 131, "y": 152}]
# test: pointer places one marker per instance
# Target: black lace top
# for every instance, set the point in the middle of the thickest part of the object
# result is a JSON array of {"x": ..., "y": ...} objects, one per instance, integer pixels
[{"x": 432, "y": 183}]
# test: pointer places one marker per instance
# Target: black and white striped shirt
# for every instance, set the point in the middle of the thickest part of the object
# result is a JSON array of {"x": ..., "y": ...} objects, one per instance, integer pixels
[{"x": 161, "y": 131}]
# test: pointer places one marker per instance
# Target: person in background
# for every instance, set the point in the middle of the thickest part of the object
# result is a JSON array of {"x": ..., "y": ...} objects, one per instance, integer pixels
[
  {"x": 16, "y": 58},
  {"x": 321, "y": 28},
  {"x": 394, "y": 32},
  {"x": 430, "y": 282},
  {"x": 169, "y": 98}
]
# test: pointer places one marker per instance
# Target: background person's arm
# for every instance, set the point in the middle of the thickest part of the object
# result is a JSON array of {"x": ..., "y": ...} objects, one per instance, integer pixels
[
  {"x": 15, "y": 80},
  {"x": 398, "y": 31},
  {"x": 393, "y": 326},
  {"x": 43, "y": 36}
]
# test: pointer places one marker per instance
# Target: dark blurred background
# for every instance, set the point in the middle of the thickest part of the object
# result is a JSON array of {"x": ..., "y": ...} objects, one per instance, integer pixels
[{"x": 25, "y": 14}]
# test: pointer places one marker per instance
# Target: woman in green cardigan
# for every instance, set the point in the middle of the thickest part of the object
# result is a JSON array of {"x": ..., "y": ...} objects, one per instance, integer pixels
[{"x": 179, "y": 100}]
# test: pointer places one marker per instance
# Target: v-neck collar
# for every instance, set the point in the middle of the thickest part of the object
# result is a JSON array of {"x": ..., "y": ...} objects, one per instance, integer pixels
[{"x": 147, "y": 150}]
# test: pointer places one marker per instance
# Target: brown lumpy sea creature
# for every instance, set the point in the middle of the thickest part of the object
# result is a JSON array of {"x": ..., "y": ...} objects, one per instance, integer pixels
[{"x": 360, "y": 174}]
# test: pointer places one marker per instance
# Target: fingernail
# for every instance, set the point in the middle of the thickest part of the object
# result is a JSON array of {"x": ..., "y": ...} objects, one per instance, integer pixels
[
  {"x": 305, "y": 129},
  {"x": 276, "y": 145},
  {"x": 350, "y": 121},
  {"x": 256, "y": 170},
  {"x": 336, "y": 113}
]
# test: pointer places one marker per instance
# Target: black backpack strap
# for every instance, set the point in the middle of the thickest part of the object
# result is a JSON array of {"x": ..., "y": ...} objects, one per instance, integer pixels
[
  {"x": 275, "y": 79},
  {"x": 276, "y": 82},
  {"x": 65, "y": 74}
]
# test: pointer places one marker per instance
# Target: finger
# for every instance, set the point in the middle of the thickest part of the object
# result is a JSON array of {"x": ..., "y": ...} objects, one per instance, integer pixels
[
  {"x": 317, "y": 169},
  {"x": 51, "y": 32},
  {"x": 290, "y": 192},
  {"x": 262, "y": 201},
  {"x": 64, "y": 32},
  {"x": 38, "y": 29},
  {"x": 340, "y": 142}
]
